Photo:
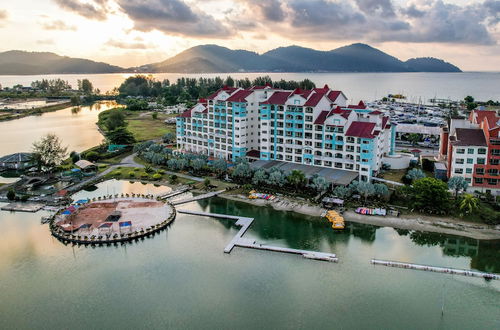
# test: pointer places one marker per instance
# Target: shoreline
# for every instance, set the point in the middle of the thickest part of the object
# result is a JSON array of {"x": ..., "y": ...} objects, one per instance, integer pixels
[
  {"x": 37, "y": 111},
  {"x": 417, "y": 223}
]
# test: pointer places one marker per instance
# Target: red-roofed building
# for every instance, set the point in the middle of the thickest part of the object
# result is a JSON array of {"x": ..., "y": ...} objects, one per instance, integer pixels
[{"x": 361, "y": 129}]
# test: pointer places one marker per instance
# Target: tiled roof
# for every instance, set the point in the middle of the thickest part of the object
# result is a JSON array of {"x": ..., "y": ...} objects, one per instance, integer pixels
[
  {"x": 340, "y": 111},
  {"x": 469, "y": 137},
  {"x": 361, "y": 105},
  {"x": 314, "y": 99},
  {"x": 186, "y": 114},
  {"x": 376, "y": 112},
  {"x": 15, "y": 158},
  {"x": 384, "y": 122},
  {"x": 240, "y": 96},
  {"x": 333, "y": 95},
  {"x": 361, "y": 129},
  {"x": 491, "y": 117},
  {"x": 277, "y": 98},
  {"x": 229, "y": 90},
  {"x": 321, "y": 118}
]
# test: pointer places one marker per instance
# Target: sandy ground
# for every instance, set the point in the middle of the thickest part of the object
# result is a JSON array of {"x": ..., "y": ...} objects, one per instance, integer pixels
[{"x": 422, "y": 223}]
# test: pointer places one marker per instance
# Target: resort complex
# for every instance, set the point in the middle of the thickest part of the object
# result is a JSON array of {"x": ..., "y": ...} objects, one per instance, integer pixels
[
  {"x": 471, "y": 149},
  {"x": 308, "y": 127}
]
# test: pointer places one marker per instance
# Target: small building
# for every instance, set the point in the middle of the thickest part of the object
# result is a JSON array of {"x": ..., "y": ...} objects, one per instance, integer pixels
[
  {"x": 17, "y": 161},
  {"x": 440, "y": 171},
  {"x": 86, "y": 166}
]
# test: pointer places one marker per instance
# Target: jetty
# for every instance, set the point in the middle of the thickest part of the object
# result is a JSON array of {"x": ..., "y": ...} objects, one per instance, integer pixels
[
  {"x": 23, "y": 207},
  {"x": 199, "y": 197},
  {"x": 239, "y": 241},
  {"x": 445, "y": 270},
  {"x": 177, "y": 192}
]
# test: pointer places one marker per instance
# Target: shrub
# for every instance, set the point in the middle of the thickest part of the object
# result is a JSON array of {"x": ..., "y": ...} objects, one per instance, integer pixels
[
  {"x": 161, "y": 172},
  {"x": 148, "y": 169},
  {"x": 144, "y": 176},
  {"x": 173, "y": 178},
  {"x": 92, "y": 156},
  {"x": 131, "y": 175},
  {"x": 117, "y": 173},
  {"x": 157, "y": 176},
  {"x": 137, "y": 169},
  {"x": 11, "y": 195}
]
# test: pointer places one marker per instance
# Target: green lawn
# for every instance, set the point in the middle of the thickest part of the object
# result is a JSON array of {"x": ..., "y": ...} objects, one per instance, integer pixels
[
  {"x": 394, "y": 175},
  {"x": 144, "y": 127}
]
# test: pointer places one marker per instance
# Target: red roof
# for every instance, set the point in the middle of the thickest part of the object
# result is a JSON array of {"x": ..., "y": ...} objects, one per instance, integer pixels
[
  {"x": 229, "y": 90},
  {"x": 361, "y": 105},
  {"x": 340, "y": 111},
  {"x": 277, "y": 98},
  {"x": 314, "y": 100},
  {"x": 321, "y": 118},
  {"x": 376, "y": 112},
  {"x": 384, "y": 122},
  {"x": 240, "y": 96},
  {"x": 253, "y": 153},
  {"x": 186, "y": 114},
  {"x": 306, "y": 93},
  {"x": 491, "y": 117},
  {"x": 361, "y": 129},
  {"x": 333, "y": 95}
]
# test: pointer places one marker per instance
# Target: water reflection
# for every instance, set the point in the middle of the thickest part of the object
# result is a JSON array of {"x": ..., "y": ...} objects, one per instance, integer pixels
[{"x": 305, "y": 232}]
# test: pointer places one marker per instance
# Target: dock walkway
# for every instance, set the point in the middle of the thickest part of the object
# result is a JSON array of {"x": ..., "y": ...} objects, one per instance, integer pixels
[
  {"x": 199, "y": 197},
  {"x": 239, "y": 241},
  {"x": 446, "y": 270},
  {"x": 177, "y": 192}
]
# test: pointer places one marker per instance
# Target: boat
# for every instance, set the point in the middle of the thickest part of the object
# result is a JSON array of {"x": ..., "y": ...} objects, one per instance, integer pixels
[
  {"x": 336, "y": 219},
  {"x": 370, "y": 211}
]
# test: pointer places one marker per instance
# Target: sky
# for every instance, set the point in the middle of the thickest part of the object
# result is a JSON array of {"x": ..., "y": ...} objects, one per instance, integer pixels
[{"x": 135, "y": 32}]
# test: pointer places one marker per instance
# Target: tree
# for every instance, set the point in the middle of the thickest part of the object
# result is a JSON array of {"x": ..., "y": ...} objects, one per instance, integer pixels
[
  {"x": 115, "y": 119},
  {"x": 414, "y": 138},
  {"x": 259, "y": 177},
  {"x": 49, "y": 151},
  {"x": 168, "y": 138},
  {"x": 206, "y": 183},
  {"x": 468, "y": 204},
  {"x": 242, "y": 171},
  {"x": 220, "y": 166},
  {"x": 320, "y": 184},
  {"x": 75, "y": 156},
  {"x": 11, "y": 195},
  {"x": 296, "y": 178},
  {"x": 415, "y": 174},
  {"x": 365, "y": 189},
  {"x": 277, "y": 177},
  {"x": 468, "y": 99},
  {"x": 85, "y": 86},
  {"x": 154, "y": 115},
  {"x": 120, "y": 135},
  {"x": 381, "y": 190},
  {"x": 91, "y": 156},
  {"x": 457, "y": 183},
  {"x": 342, "y": 192},
  {"x": 197, "y": 164},
  {"x": 430, "y": 195}
]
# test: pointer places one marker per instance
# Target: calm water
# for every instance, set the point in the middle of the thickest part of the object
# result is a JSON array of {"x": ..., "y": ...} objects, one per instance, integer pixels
[
  {"x": 356, "y": 86},
  {"x": 75, "y": 126},
  {"x": 182, "y": 279}
]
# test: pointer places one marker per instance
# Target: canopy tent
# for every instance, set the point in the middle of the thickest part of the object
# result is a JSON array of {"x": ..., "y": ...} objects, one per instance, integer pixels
[
  {"x": 66, "y": 212},
  {"x": 82, "y": 201},
  {"x": 125, "y": 224},
  {"x": 105, "y": 225}
]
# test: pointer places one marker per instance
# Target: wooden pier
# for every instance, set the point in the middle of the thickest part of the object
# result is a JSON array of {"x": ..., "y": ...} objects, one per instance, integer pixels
[
  {"x": 199, "y": 197},
  {"x": 239, "y": 241},
  {"x": 177, "y": 192},
  {"x": 445, "y": 270}
]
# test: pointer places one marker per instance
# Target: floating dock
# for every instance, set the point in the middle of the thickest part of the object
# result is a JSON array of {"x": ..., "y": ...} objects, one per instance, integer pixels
[
  {"x": 239, "y": 241},
  {"x": 445, "y": 270},
  {"x": 23, "y": 207},
  {"x": 199, "y": 197}
]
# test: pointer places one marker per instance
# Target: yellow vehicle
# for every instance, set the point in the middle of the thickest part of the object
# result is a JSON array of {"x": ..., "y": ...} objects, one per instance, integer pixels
[{"x": 336, "y": 219}]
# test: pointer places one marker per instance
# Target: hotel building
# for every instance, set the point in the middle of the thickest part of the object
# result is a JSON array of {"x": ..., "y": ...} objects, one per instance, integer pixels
[{"x": 309, "y": 127}]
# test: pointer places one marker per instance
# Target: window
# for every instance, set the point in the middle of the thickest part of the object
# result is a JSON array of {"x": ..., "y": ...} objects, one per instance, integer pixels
[
  {"x": 481, "y": 161},
  {"x": 470, "y": 161},
  {"x": 459, "y": 171},
  {"x": 478, "y": 180},
  {"x": 470, "y": 151},
  {"x": 460, "y": 151},
  {"x": 495, "y": 152},
  {"x": 480, "y": 171},
  {"x": 481, "y": 151},
  {"x": 459, "y": 161},
  {"x": 468, "y": 170},
  {"x": 492, "y": 182}
]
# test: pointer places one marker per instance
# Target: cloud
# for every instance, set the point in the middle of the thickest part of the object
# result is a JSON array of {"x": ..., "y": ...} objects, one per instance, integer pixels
[
  {"x": 173, "y": 17},
  {"x": 95, "y": 9},
  {"x": 58, "y": 25},
  {"x": 137, "y": 44},
  {"x": 270, "y": 10},
  {"x": 380, "y": 7}
]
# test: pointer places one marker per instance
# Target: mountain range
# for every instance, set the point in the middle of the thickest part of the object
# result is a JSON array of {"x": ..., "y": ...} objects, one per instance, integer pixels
[{"x": 216, "y": 59}]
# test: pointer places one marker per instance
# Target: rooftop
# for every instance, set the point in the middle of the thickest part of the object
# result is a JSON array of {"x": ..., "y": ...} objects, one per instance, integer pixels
[
  {"x": 469, "y": 137},
  {"x": 361, "y": 129}
]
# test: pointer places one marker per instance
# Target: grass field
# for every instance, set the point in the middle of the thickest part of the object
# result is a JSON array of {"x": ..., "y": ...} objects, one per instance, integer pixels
[{"x": 144, "y": 127}]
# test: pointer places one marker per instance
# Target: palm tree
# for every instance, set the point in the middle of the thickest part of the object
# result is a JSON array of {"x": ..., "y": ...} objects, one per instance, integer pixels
[{"x": 468, "y": 204}]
